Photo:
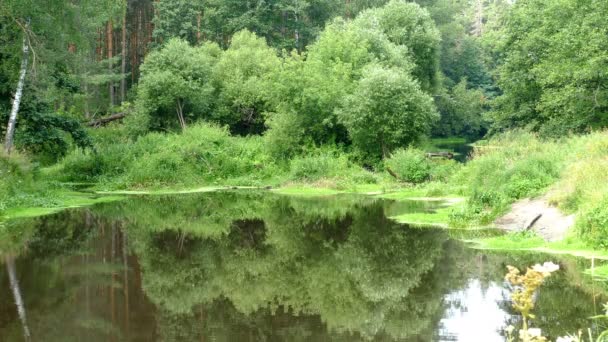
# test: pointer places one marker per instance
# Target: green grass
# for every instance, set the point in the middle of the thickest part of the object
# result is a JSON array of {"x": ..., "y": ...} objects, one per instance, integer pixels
[
  {"x": 530, "y": 242},
  {"x": 439, "y": 217},
  {"x": 62, "y": 200},
  {"x": 306, "y": 191}
]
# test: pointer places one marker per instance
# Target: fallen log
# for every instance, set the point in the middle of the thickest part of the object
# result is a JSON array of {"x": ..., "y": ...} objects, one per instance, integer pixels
[
  {"x": 392, "y": 173},
  {"x": 103, "y": 121},
  {"x": 446, "y": 155}
]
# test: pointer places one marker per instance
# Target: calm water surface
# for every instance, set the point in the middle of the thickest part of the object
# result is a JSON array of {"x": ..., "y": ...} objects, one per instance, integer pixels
[{"x": 247, "y": 266}]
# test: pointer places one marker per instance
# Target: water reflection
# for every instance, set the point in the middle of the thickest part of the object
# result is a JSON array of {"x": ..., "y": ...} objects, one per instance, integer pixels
[{"x": 240, "y": 266}]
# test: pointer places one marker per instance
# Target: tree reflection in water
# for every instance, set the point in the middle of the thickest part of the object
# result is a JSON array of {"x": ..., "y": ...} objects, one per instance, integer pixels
[{"x": 249, "y": 266}]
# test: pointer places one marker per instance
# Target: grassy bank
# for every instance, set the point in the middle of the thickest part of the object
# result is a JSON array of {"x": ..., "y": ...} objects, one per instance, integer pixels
[
  {"x": 571, "y": 172},
  {"x": 24, "y": 192}
]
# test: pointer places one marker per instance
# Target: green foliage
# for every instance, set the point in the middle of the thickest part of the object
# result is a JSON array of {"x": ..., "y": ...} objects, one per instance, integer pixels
[
  {"x": 176, "y": 81},
  {"x": 387, "y": 110},
  {"x": 178, "y": 19},
  {"x": 15, "y": 176},
  {"x": 592, "y": 224},
  {"x": 323, "y": 164},
  {"x": 461, "y": 112},
  {"x": 410, "y": 165},
  {"x": 512, "y": 166},
  {"x": 409, "y": 25},
  {"x": 552, "y": 67},
  {"x": 203, "y": 154},
  {"x": 285, "y": 132},
  {"x": 241, "y": 78}
]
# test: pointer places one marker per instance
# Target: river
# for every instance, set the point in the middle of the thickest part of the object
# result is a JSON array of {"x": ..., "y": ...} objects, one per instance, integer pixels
[{"x": 257, "y": 266}]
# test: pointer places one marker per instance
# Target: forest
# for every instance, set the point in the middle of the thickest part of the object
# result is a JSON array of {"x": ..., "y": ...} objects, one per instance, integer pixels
[
  {"x": 323, "y": 94},
  {"x": 129, "y": 95},
  {"x": 483, "y": 103}
]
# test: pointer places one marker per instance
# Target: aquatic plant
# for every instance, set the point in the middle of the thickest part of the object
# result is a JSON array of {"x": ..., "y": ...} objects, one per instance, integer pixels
[{"x": 525, "y": 286}]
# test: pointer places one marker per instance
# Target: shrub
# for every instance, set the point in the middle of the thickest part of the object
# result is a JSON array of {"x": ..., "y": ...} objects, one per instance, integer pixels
[
  {"x": 443, "y": 169},
  {"x": 409, "y": 165},
  {"x": 592, "y": 224},
  {"x": 512, "y": 166},
  {"x": 324, "y": 164}
]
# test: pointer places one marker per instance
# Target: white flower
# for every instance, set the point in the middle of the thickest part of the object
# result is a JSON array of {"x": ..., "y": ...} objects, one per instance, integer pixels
[
  {"x": 565, "y": 339},
  {"x": 509, "y": 329},
  {"x": 546, "y": 268}
]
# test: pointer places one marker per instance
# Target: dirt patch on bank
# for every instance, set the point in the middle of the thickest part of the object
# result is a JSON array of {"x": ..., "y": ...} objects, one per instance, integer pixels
[{"x": 538, "y": 216}]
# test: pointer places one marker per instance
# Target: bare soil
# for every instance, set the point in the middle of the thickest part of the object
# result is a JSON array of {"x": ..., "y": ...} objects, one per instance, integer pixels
[{"x": 538, "y": 216}]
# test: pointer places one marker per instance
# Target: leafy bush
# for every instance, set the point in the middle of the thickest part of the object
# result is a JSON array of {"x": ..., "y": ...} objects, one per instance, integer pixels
[
  {"x": 410, "y": 165},
  {"x": 443, "y": 169},
  {"x": 320, "y": 165},
  {"x": 203, "y": 154},
  {"x": 510, "y": 167},
  {"x": 592, "y": 224},
  {"x": 15, "y": 175}
]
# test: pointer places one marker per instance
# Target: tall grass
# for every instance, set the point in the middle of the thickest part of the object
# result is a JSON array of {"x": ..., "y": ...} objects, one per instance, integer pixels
[
  {"x": 571, "y": 172},
  {"x": 203, "y": 154}
]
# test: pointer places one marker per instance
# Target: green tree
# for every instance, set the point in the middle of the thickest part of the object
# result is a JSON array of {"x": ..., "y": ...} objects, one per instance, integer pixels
[
  {"x": 552, "y": 64},
  {"x": 241, "y": 77},
  {"x": 409, "y": 25},
  {"x": 462, "y": 112},
  {"x": 387, "y": 110},
  {"x": 176, "y": 82}
]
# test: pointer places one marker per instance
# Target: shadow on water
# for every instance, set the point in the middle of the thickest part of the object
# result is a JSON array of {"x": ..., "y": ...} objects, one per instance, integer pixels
[{"x": 248, "y": 266}]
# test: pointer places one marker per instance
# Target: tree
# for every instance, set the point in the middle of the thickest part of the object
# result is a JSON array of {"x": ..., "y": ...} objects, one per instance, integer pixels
[
  {"x": 552, "y": 64},
  {"x": 241, "y": 77},
  {"x": 462, "y": 112},
  {"x": 176, "y": 81},
  {"x": 56, "y": 37},
  {"x": 178, "y": 19},
  {"x": 12, "y": 121},
  {"x": 387, "y": 110},
  {"x": 409, "y": 25}
]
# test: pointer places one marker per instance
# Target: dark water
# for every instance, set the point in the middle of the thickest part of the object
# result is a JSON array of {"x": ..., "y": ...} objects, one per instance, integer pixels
[
  {"x": 240, "y": 266},
  {"x": 461, "y": 150}
]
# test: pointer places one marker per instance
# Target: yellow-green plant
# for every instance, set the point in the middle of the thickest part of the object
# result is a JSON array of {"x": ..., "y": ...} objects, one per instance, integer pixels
[{"x": 523, "y": 296}]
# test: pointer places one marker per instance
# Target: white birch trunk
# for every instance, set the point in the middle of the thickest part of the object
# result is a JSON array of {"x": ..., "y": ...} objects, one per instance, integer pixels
[{"x": 12, "y": 121}]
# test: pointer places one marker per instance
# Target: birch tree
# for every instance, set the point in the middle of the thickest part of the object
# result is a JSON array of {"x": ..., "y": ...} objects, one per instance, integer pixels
[{"x": 12, "y": 121}]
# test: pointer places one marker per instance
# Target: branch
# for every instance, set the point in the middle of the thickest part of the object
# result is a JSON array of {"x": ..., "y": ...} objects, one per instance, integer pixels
[{"x": 103, "y": 121}]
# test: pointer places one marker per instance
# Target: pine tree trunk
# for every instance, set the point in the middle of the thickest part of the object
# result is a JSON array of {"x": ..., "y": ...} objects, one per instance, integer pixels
[
  {"x": 123, "y": 65},
  {"x": 12, "y": 121},
  {"x": 110, "y": 39}
]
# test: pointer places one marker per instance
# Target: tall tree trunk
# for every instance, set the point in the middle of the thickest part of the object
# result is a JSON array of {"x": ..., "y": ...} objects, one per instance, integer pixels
[
  {"x": 12, "y": 121},
  {"x": 12, "y": 277},
  {"x": 347, "y": 9},
  {"x": 478, "y": 24},
  {"x": 297, "y": 35},
  {"x": 199, "y": 16},
  {"x": 110, "y": 39},
  {"x": 123, "y": 64}
]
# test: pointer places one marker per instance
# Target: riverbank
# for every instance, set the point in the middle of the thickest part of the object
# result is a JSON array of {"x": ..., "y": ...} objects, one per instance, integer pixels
[{"x": 569, "y": 173}]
